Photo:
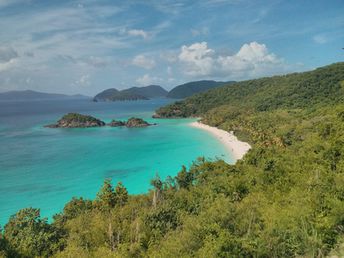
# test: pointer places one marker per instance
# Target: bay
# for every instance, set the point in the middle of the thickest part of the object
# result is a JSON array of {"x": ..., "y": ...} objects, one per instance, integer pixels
[{"x": 44, "y": 168}]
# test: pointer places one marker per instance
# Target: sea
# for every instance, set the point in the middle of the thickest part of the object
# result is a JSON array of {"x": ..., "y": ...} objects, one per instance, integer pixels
[{"x": 45, "y": 167}]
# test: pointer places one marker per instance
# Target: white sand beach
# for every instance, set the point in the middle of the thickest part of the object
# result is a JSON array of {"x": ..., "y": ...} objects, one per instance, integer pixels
[{"x": 237, "y": 148}]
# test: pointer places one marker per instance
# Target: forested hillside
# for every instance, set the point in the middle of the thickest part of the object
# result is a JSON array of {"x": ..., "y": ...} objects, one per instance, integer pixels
[
  {"x": 133, "y": 93},
  {"x": 284, "y": 199},
  {"x": 188, "y": 89},
  {"x": 299, "y": 90}
]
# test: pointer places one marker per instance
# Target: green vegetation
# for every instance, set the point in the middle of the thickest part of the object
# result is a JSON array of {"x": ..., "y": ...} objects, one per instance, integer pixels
[
  {"x": 75, "y": 120},
  {"x": 115, "y": 95},
  {"x": 133, "y": 93},
  {"x": 75, "y": 117},
  {"x": 191, "y": 88},
  {"x": 284, "y": 199},
  {"x": 151, "y": 91},
  {"x": 132, "y": 122},
  {"x": 299, "y": 90},
  {"x": 136, "y": 122}
]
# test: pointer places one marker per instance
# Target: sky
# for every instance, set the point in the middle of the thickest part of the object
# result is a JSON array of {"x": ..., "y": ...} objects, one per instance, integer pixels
[{"x": 87, "y": 46}]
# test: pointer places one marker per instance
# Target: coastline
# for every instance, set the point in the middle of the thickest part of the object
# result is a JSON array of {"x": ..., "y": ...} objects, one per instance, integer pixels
[{"x": 237, "y": 148}]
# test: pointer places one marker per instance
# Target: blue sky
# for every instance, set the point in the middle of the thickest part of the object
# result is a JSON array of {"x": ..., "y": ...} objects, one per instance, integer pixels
[{"x": 87, "y": 46}]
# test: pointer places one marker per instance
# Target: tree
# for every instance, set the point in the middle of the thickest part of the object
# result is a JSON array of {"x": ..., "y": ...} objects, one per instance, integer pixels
[
  {"x": 121, "y": 194},
  {"x": 105, "y": 201},
  {"x": 157, "y": 184},
  {"x": 3, "y": 245},
  {"x": 72, "y": 210},
  {"x": 106, "y": 197},
  {"x": 30, "y": 235},
  {"x": 184, "y": 178}
]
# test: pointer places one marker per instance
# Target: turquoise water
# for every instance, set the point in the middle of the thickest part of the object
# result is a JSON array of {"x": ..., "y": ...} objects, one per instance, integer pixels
[{"x": 44, "y": 168}]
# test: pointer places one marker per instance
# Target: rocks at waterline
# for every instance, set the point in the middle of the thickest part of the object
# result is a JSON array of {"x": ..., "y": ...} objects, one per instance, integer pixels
[
  {"x": 116, "y": 123},
  {"x": 75, "y": 120},
  {"x": 132, "y": 122},
  {"x": 137, "y": 122}
]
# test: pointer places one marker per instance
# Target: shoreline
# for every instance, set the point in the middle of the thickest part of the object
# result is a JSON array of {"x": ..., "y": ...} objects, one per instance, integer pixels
[{"x": 237, "y": 148}]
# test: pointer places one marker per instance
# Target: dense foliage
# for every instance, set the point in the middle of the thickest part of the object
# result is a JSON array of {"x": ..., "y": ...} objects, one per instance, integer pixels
[
  {"x": 76, "y": 117},
  {"x": 151, "y": 91},
  {"x": 188, "y": 89},
  {"x": 133, "y": 93},
  {"x": 299, "y": 90},
  {"x": 284, "y": 199},
  {"x": 115, "y": 95}
]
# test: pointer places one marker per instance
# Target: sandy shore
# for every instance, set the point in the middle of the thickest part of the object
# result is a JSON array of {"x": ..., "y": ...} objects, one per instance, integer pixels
[{"x": 237, "y": 148}]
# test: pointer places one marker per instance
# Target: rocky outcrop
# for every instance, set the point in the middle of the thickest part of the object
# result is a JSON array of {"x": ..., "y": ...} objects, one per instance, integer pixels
[
  {"x": 156, "y": 116},
  {"x": 75, "y": 120},
  {"x": 116, "y": 123},
  {"x": 136, "y": 122},
  {"x": 132, "y": 122}
]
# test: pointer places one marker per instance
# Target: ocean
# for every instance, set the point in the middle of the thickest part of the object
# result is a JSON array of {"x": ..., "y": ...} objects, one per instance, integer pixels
[{"x": 44, "y": 167}]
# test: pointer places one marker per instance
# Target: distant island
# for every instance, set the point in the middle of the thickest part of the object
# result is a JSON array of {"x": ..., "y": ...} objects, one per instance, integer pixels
[
  {"x": 76, "y": 120},
  {"x": 35, "y": 95},
  {"x": 134, "y": 93},
  {"x": 154, "y": 91}
]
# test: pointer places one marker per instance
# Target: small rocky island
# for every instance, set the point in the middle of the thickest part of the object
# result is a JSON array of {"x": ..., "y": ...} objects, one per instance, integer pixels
[
  {"x": 137, "y": 122},
  {"x": 75, "y": 120},
  {"x": 132, "y": 122},
  {"x": 116, "y": 123}
]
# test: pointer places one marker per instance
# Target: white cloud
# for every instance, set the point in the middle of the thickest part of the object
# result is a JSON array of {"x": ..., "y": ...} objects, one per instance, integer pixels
[
  {"x": 84, "y": 80},
  {"x": 147, "y": 80},
  {"x": 252, "y": 60},
  {"x": 141, "y": 33},
  {"x": 8, "y": 65},
  {"x": 8, "y": 58},
  {"x": 197, "y": 58},
  {"x": 7, "y": 54},
  {"x": 143, "y": 61},
  {"x": 320, "y": 39}
]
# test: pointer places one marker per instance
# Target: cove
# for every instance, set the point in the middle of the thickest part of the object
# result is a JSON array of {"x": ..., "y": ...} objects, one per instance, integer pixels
[{"x": 44, "y": 168}]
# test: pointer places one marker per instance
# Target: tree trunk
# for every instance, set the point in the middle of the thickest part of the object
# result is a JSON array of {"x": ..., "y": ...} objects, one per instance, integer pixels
[
  {"x": 111, "y": 237},
  {"x": 154, "y": 198}
]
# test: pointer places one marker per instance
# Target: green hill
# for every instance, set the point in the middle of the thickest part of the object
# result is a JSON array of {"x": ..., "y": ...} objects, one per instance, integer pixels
[
  {"x": 151, "y": 91},
  {"x": 134, "y": 93},
  {"x": 191, "y": 88},
  {"x": 284, "y": 199},
  {"x": 297, "y": 90}
]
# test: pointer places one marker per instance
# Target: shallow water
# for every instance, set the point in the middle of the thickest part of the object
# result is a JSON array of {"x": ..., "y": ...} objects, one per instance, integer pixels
[{"x": 44, "y": 168}]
